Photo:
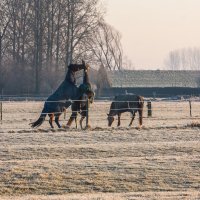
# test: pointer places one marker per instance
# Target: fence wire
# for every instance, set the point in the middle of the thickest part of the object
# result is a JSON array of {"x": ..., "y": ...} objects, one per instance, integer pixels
[{"x": 18, "y": 115}]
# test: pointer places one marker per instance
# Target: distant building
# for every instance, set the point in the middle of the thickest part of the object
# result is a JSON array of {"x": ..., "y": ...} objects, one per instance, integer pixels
[{"x": 159, "y": 83}]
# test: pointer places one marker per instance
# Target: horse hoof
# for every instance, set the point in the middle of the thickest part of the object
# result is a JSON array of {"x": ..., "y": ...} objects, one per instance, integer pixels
[
  {"x": 87, "y": 127},
  {"x": 140, "y": 127},
  {"x": 65, "y": 126}
]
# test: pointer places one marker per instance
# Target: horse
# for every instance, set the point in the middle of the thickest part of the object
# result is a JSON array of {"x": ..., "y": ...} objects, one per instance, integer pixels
[
  {"x": 80, "y": 107},
  {"x": 126, "y": 103},
  {"x": 67, "y": 90}
]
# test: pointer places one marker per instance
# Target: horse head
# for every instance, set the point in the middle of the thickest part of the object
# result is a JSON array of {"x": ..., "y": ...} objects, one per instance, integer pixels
[
  {"x": 83, "y": 62},
  {"x": 86, "y": 66},
  {"x": 87, "y": 96},
  {"x": 91, "y": 96},
  {"x": 110, "y": 119}
]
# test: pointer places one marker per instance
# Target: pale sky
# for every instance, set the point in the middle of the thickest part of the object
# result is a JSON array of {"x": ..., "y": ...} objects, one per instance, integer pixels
[{"x": 150, "y": 29}]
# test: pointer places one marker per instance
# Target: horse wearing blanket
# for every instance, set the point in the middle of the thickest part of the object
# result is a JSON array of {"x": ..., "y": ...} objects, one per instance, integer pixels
[
  {"x": 60, "y": 99},
  {"x": 81, "y": 106},
  {"x": 126, "y": 103}
]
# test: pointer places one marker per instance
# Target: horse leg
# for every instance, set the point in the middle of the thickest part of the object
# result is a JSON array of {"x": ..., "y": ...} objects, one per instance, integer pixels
[
  {"x": 133, "y": 117},
  {"x": 71, "y": 119},
  {"x": 57, "y": 121},
  {"x": 140, "y": 117},
  {"x": 74, "y": 107},
  {"x": 76, "y": 121},
  {"x": 140, "y": 110},
  {"x": 51, "y": 120},
  {"x": 81, "y": 121},
  {"x": 83, "y": 116},
  {"x": 119, "y": 121},
  {"x": 69, "y": 123}
]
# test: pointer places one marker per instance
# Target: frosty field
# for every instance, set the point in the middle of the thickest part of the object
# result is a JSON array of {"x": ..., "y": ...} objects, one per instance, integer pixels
[{"x": 159, "y": 161}]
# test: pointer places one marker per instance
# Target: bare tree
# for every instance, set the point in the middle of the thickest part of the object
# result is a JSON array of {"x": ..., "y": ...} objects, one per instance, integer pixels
[
  {"x": 39, "y": 38},
  {"x": 183, "y": 59},
  {"x": 173, "y": 61},
  {"x": 106, "y": 46},
  {"x": 5, "y": 20},
  {"x": 38, "y": 41},
  {"x": 82, "y": 19},
  {"x": 127, "y": 64}
]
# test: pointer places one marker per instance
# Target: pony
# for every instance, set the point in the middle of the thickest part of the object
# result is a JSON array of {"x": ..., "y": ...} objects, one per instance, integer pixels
[
  {"x": 81, "y": 108},
  {"x": 126, "y": 103},
  {"x": 76, "y": 107},
  {"x": 56, "y": 102}
]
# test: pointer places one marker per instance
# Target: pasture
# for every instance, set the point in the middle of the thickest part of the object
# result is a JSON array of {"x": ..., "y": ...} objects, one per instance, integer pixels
[{"x": 159, "y": 161}]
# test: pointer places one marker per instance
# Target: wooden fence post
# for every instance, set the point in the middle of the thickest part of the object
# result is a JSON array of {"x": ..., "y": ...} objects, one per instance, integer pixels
[
  {"x": 87, "y": 113},
  {"x": 1, "y": 110},
  {"x": 149, "y": 109},
  {"x": 190, "y": 104}
]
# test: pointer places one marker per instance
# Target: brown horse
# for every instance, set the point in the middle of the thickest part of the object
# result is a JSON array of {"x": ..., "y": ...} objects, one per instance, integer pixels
[
  {"x": 126, "y": 103},
  {"x": 67, "y": 90},
  {"x": 76, "y": 106},
  {"x": 81, "y": 108}
]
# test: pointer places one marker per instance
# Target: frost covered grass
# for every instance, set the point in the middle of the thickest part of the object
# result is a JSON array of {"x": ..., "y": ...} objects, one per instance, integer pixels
[{"x": 160, "y": 161}]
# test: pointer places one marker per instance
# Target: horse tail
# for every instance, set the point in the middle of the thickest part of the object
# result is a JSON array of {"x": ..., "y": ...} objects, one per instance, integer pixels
[
  {"x": 40, "y": 120},
  {"x": 140, "y": 109}
]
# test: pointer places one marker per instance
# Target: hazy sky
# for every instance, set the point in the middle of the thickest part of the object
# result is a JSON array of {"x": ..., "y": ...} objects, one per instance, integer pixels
[{"x": 152, "y": 28}]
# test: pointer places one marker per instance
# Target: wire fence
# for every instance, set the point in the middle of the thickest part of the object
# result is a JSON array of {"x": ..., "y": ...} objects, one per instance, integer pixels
[{"x": 18, "y": 114}]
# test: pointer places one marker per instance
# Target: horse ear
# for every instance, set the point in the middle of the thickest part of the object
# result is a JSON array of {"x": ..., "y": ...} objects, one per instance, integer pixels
[{"x": 83, "y": 62}]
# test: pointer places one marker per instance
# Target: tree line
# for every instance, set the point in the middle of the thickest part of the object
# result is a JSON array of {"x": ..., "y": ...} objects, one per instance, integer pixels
[
  {"x": 183, "y": 59},
  {"x": 40, "y": 38}
]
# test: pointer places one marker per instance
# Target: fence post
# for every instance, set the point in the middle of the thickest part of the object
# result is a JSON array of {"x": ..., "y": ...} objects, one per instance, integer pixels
[
  {"x": 149, "y": 109},
  {"x": 190, "y": 104},
  {"x": 1, "y": 110},
  {"x": 87, "y": 113}
]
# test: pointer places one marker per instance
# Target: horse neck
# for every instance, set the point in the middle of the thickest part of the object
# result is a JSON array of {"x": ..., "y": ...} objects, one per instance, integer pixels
[
  {"x": 112, "y": 109},
  {"x": 67, "y": 76},
  {"x": 83, "y": 100}
]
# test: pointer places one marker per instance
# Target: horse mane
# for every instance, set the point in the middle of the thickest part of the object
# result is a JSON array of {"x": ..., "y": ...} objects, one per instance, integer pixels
[{"x": 112, "y": 108}]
